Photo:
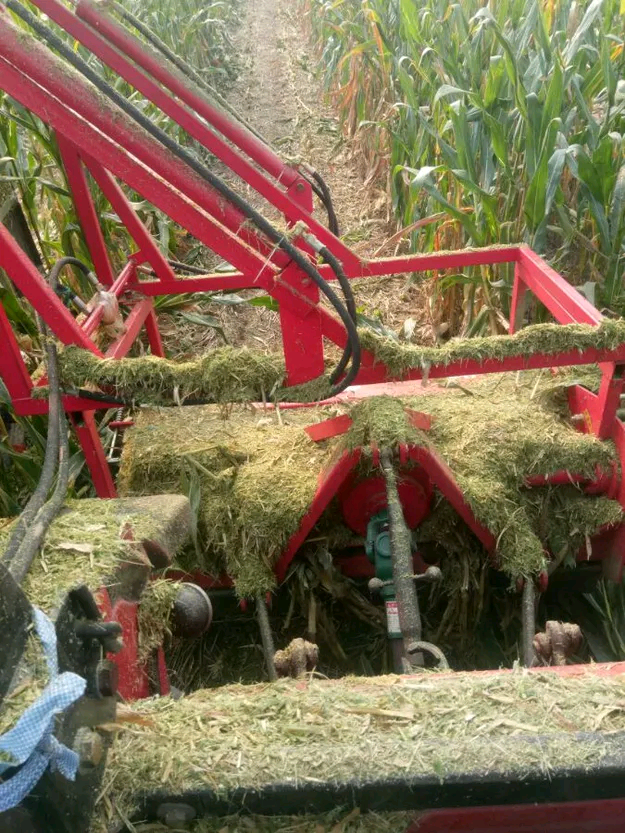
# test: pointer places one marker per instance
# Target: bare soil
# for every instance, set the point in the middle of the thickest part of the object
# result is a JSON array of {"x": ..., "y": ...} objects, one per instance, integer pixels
[{"x": 280, "y": 94}]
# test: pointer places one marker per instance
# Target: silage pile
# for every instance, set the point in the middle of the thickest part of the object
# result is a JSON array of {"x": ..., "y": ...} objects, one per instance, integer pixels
[
  {"x": 361, "y": 729},
  {"x": 230, "y": 374},
  {"x": 256, "y": 471}
]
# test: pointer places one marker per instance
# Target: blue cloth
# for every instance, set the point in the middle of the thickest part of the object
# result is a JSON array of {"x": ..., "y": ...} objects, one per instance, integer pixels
[{"x": 30, "y": 743}]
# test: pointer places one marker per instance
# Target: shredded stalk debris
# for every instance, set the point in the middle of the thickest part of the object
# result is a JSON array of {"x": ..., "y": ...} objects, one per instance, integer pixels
[
  {"x": 537, "y": 338},
  {"x": 86, "y": 545},
  {"x": 358, "y": 729},
  {"x": 228, "y": 374},
  {"x": 256, "y": 471}
]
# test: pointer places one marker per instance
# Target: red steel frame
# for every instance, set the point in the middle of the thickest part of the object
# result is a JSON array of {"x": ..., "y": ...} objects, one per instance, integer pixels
[{"x": 97, "y": 140}]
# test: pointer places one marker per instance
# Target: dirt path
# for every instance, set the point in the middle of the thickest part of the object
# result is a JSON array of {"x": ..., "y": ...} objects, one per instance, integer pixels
[{"x": 279, "y": 95}]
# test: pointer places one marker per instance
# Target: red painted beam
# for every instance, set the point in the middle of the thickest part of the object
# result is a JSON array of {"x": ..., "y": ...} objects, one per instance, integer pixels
[
  {"x": 564, "y": 302},
  {"x": 133, "y": 324},
  {"x": 329, "y": 484},
  {"x": 87, "y": 216},
  {"x": 158, "y": 69},
  {"x": 35, "y": 289},
  {"x": 13, "y": 371}
]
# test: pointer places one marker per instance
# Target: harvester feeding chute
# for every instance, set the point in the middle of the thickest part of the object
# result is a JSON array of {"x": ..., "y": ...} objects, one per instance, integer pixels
[{"x": 415, "y": 469}]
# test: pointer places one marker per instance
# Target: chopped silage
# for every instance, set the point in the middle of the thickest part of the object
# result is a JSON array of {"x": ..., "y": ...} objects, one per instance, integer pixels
[
  {"x": 257, "y": 473},
  {"x": 154, "y": 616},
  {"x": 84, "y": 545},
  {"x": 229, "y": 374},
  {"x": 225, "y": 374},
  {"x": 536, "y": 338},
  {"x": 30, "y": 679},
  {"x": 258, "y": 470},
  {"x": 358, "y": 729}
]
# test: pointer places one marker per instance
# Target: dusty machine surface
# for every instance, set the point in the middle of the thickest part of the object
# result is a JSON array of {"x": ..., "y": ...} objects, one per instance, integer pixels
[{"x": 413, "y": 479}]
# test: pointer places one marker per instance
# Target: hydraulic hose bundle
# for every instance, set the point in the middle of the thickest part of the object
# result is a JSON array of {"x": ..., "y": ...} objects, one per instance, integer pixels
[{"x": 34, "y": 522}]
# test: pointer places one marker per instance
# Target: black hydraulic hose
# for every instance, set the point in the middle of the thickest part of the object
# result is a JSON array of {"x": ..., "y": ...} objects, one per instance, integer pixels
[
  {"x": 319, "y": 185},
  {"x": 53, "y": 277},
  {"x": 350, "y": 302},
  {"x": 33, "y": 539},
  {"x": 261, "y": 223},
  {"x": 38, "y": 514},
  {"x": 48, "y": 469},
  {"x": 326, "y": 199}
]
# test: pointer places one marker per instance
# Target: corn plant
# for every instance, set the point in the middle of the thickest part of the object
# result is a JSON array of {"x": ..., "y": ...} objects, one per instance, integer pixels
[{"x": 507, "y": 118}]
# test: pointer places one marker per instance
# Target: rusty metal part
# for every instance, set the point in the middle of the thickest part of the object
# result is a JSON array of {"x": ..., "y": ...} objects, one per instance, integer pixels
[
  {"x": 107, "y": 678},
  {"x": 266, "y": 636},
  {"x": 558, "y": 642},
  {"x": 174, "y": 815},
  {"x": 419, "y": 648},
  {"x": 299, "y": 657},
  {"x": 89, "y": 747},
  {"x": 192, "y": 612},
  {"x": 528, "y": 604}
]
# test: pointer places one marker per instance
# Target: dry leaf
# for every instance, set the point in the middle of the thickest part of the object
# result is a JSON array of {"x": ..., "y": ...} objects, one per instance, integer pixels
[{"x": 69, "y": 545}]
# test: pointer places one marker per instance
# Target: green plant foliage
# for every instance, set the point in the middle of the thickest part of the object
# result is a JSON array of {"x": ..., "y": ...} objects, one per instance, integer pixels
[{"x": 506, "y": 119}]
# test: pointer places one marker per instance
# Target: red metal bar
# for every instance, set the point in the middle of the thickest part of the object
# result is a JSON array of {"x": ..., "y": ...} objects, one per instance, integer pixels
[
  {"x": 471, "y": 367},
  {"x": 443, "y": 478},
  {"x": 329, "y": 484},
  {"x": 117, "y": 159},
  {"x": 154, "y": 336},
  {"x": 13, "y": 371},
  {"x": 605, "y": 815},
  {"x": 126, "y": 213},
  {"x": 329, "y": 428},
  {"x": 87, "y": 432},
  {"x": 440, "y": 260},
  {"x": 519, "y": 301},
  {"x": 302, "y": 340},
  {"x": 608, "y": 401},
  {"x": 134, "y": 683},
  {"x": 87, "y": 216},
  {"x": 186, "y": 119},
  {"x": 27, "y": 279},
  {"x": 218, "y": 282},
  {"x": 564, "y": 302},
  {"x": 71, "y": 404},
  {"x": 133, "y": 325},
  {"x": 387, "y": 266}
]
